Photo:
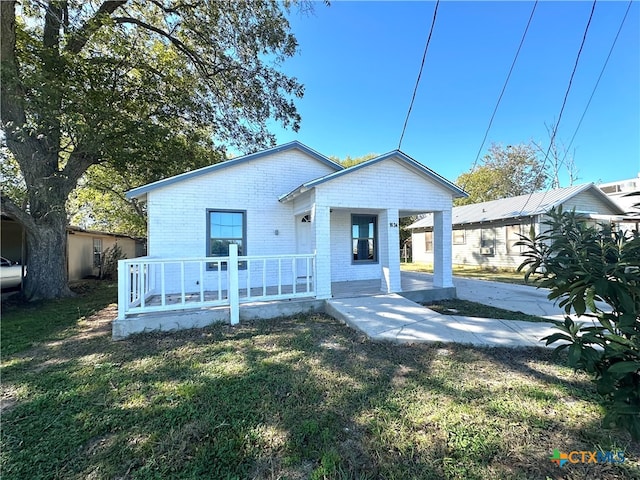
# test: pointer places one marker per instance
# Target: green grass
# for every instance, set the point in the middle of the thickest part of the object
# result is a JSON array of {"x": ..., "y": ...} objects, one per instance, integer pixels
[
  {"x": 505, "y": 275},
  {"x": 26, "y": 324},
  {"x": 301, "y": 397},
  {"x": 472, "y": 309}
]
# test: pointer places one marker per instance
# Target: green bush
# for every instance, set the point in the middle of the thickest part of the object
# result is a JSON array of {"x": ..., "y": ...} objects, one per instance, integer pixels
[
  {"x": 109, "y": 262},
  {"x": 582, "y": 265}
]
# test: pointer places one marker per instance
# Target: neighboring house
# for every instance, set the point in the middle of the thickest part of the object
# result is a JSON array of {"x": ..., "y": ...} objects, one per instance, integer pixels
[
  {"x": 84, "y": 247},
  {"x": 626, "y": 193},
  {"x": 485, "y": 234},
  {"x": 288, "y": 200}
]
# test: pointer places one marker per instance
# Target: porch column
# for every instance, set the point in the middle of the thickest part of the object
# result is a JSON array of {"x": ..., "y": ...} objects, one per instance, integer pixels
[
  {"x": 322, "y": 236},
  {"x": 389, "y": 251},
  {"x": 442, "y": 270}
]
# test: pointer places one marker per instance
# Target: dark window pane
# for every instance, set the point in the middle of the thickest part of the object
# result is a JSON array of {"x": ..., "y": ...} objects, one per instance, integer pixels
[{"x": 363, "y": 234}]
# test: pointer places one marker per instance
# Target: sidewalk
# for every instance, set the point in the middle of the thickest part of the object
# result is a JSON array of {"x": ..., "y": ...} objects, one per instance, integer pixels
[{"x": 393, "y": 318}]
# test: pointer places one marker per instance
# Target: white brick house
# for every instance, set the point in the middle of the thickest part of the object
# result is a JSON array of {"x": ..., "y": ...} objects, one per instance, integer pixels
[{"x": 293, "y": 200}]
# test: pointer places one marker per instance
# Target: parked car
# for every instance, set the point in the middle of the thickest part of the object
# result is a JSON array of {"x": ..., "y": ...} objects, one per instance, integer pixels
[{"x": 10, "y": 273}]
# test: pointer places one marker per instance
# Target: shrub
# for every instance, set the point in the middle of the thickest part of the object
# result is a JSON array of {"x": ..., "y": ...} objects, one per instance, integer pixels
[
  {"x": 583, "y": 265},
  {"x": 109, "y": 262}
]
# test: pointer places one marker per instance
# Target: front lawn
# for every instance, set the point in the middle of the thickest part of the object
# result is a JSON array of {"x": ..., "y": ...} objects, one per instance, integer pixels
[
  {"x": 466, "y": 308},
  {"x": 301, "y": 397},
  {"x": 505, "y": 275}
]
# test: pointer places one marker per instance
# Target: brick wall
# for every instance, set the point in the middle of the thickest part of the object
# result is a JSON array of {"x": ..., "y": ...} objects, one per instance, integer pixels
[{"x": 178, "y": 212}]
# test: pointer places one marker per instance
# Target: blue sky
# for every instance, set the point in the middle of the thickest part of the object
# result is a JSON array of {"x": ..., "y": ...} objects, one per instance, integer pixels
[{"x": 359, "y": 62}]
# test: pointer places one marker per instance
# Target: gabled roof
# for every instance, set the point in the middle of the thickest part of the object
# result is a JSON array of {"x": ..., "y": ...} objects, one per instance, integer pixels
[
  {"x": 396, "y": 154},
  {"x": 144, "y": 189},
  {"x": 517, "y": 207}
]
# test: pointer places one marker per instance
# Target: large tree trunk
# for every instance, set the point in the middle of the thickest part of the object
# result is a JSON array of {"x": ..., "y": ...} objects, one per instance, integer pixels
[
  {"x": 47, "y": 275},
  {"x": 45, "y": 219}
]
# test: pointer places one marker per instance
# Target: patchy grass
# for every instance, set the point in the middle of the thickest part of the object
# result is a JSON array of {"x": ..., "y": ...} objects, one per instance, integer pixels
[
  {"x": 302, "y": 397},
  {"x": 27, "y": 324},
  {"x": 505, "y": 275},
  {"x": 472, "y": 309}
]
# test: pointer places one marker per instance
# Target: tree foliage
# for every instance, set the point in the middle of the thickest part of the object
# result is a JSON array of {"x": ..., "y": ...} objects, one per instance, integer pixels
[
  {"x": 504, "y": 172},
  {"x": 349, "y": 161},
  {"x": 145, "y": 87},
  {"x": 583, "y": 265}
]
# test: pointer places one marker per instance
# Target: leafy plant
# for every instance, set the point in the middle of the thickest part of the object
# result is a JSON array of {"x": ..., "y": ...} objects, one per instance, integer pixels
[
  {"x": 109, "y": 262},
  {"x": 583, "y": 265}
]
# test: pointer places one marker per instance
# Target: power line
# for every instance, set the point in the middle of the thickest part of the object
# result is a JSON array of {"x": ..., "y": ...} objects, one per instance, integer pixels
[
  {"x": 564, "y": 103},
  {"x": 424, "y": 56},
  {"x": 504, "y": 87},
  {"x": 598, "y": 81}
]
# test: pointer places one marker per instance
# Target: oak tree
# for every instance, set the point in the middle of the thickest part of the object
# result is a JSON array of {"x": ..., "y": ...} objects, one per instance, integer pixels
[{"x": 142, "y": 86}]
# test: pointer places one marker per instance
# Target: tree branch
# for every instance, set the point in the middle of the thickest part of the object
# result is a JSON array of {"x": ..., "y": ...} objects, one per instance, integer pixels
[
  {"x": 76, "y": 166},
  {"x": 11, "y": 210},
  {"x": 193, "y": 56},
  {"x": 11, "y": 105},
  {"x": 176, "y": 9},
  {"x": 79, "y": 39}
]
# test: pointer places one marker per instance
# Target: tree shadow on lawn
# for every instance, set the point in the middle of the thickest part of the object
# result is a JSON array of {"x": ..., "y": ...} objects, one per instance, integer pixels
[{"x": 297, "y": 397}]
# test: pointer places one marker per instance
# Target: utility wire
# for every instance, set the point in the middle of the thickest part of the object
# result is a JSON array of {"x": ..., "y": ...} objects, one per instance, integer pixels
[
  {"x": 597, "y": 82},
  {"x": 564, "y": 103},
  {"x": 424, "y": 56},
  {"x": 504, "y": 87}
]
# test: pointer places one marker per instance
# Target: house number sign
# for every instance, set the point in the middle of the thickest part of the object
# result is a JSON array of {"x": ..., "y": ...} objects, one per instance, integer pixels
[{"x": 393, "y": 224}]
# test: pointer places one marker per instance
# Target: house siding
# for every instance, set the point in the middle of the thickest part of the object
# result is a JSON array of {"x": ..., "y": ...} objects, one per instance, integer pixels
[
  {"x": 586, "y": 202},
  {"x": 469, "y": 253},
  {"x": 80, "y": 252}
]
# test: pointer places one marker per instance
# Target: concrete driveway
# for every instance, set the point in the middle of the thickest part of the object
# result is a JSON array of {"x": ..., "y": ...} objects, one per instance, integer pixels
[{"x": 518, "y": 298}]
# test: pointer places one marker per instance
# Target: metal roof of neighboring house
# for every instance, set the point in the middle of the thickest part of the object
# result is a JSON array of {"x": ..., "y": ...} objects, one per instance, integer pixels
[
  {"x": 144, "y": 189},
  {"x": 73, "y": 229},
  {"x": 516, "y": 207},
  {"x": 396, "y": 154}
]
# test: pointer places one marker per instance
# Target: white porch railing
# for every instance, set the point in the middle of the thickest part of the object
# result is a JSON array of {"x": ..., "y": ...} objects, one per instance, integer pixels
[{"x": 148, "y": 284}]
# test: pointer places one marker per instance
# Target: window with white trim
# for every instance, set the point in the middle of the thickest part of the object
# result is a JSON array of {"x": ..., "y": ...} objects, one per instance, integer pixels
[
  {"x": 97, "y": 252},
  {"x": 428, "y": 241},
  {"x": 459, "y": 237},
  {"x": 513, "y": 233}
]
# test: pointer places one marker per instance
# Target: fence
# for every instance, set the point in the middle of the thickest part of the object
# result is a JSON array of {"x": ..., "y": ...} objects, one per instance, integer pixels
[{"x": 147, "y": 284}]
